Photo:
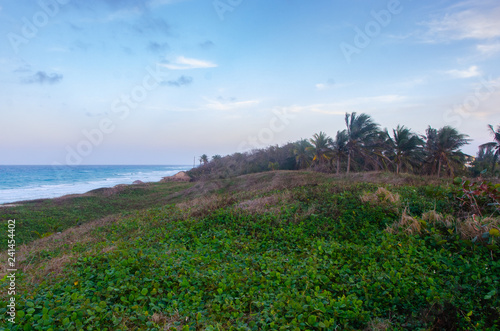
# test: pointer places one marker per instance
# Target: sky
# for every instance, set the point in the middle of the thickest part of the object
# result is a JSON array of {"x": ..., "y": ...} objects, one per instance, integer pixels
[{"x": 163, "y": 81}]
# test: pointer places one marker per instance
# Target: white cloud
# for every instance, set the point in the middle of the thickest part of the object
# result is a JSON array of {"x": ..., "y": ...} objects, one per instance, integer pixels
[
  {"x": 361, "y": 104},
  {"x": 471, "y": 72},
  {"x": 489, "y": 49},
  {"x": 230, "y": 105},
  {"x": 183, "y": 63},
  {"x": 465, "y": 24}
]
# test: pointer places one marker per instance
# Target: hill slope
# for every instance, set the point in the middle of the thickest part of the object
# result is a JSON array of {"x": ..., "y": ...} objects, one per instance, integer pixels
[{"x": 274, "y": 250}]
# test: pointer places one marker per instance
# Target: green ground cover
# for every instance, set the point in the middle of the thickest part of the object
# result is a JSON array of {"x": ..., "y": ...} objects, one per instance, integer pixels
[{"x": 271, "y": 251}]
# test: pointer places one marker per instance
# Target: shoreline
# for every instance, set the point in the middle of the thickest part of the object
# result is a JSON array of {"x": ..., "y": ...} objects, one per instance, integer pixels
[{"x": 181, "y": 176}]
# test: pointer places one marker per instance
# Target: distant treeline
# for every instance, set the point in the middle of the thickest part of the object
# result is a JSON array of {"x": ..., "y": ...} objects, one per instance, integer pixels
[{"x": 364, "y": 146}]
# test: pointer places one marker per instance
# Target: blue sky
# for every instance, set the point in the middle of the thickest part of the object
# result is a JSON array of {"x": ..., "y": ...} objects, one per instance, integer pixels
[{"x": 161, "y": 81}]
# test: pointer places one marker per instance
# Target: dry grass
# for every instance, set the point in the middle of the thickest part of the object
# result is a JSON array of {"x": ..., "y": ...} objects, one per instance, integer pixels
[
  {"x": 475, "y": 226},
  {"x": 378, "y": 324},
  {"x": 266, "y": 204},
  {"x": 38, "y": 270},
  {"x": 407, "y": 224},
  {"x": 168, "y": 322},
  {"x": 433, "y": 217},
  {"x": 383, "y": 197},
  {"x": 206, "y": 204}
]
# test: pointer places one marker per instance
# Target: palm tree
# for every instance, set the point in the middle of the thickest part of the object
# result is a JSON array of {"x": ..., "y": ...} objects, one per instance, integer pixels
[
  {"x": 405, "y": 148},
  {"x": 204, "y": 159},
  {"x": 302, "y": 152},
  {"x": 320, "y": 147},
  {"x": 443, "y": 149},
  {"x": 361, "y": 133},
  {"x": 339, "y": 147},
  {"x": 494, "y": 145}
]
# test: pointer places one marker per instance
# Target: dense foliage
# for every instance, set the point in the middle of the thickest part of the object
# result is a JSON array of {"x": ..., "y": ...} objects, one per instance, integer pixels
[
  {"x": 320, "y": 254},
  {"x": 363, "y": 146}
]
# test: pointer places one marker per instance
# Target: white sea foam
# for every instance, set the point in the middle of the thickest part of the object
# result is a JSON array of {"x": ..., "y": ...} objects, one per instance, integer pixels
[{"x": 44, "y": 191}]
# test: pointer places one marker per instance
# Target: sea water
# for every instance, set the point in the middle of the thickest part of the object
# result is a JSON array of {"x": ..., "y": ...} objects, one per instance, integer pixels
[{"x": 18, "y": 183}]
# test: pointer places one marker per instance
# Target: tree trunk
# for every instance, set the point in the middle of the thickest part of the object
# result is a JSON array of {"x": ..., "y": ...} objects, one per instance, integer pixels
[
  {"x": 439, "y": 167},
  {"x": 338, "y": 165},
  {"x": 397, "y": 168},
  {"x": 348, "y": 161}
]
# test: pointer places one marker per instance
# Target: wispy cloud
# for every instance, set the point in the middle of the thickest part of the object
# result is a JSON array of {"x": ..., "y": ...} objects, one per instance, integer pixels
[
  {"x": 324, "y": 86},
  {"x": 350, "y": 105},
  {"x": 479, "y": 24},
  {"x": 184, "y": 63},
  {"x": 207, "y": 44},
  {"x": 157, "y": 47},
  {"x": 473, "y": 71},
  {"x": 489, "y": 49},
  {"x": 181, "y": 81},
  {"x": 41, "y": 77},
  {"x": 124, "y": 14},
  {"x": 231, "y": 104}
]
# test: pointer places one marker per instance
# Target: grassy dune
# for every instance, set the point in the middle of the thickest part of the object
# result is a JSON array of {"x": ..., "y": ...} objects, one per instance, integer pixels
[{"x": 274, "y": 250}]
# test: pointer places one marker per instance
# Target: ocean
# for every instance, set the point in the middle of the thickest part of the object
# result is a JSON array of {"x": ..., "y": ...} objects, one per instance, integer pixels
[{"x": 18, "y": 183}]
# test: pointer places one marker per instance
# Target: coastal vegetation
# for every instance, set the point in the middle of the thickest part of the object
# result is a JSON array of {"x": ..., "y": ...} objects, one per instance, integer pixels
[
  {"x": 272, "y": 250},
  {"x": 370, "y": 230},
  {"x": 364, "y": 146}
]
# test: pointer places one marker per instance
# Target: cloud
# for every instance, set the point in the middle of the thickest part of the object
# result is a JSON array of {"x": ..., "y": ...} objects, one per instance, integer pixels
[
  {"x": 183, "y": 63},
  {"x": 156, "y": 47},
  {"x": 229, "y": 104},
  {"x": 471, "y": 72},
  {"x": 362, "y": 104},
  {"x": 41, "y": 77},
  {"x": 23, "y": 68},
  {"x": 207, "y": 44},
  {"x": 324, "y": 86},
  {"x": 489, "y": 49},
  {"x": 75, "y": 27},
  {"x": 147, "y": 24},
  {"x": 479, "y": 24},
  {"x": 124, "y": 14},
  {"x": 181, "y": 81}
]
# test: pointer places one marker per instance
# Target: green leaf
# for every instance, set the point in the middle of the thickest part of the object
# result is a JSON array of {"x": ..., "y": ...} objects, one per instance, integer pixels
[
  {"x": 144, "y": 291},
  {"x": 20, "y": 313},
  {"x": 494, "y": 232},
  {"x": 30, "y": 304},
  {"x": 490, "y": 294}
]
